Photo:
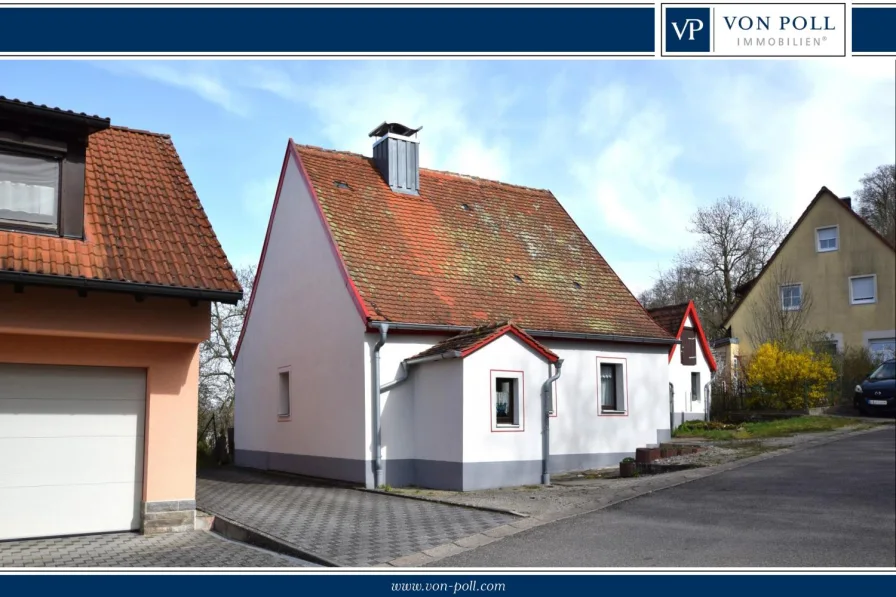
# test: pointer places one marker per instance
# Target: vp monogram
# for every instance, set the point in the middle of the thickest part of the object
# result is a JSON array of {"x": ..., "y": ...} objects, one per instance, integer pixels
[{"x": 691, "y": 26}]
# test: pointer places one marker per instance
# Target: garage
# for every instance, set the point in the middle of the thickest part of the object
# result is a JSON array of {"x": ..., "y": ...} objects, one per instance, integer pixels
[{"x": 71, "y": 449}]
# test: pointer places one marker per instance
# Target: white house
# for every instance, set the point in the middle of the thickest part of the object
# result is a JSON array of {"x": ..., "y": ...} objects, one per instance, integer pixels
[
  {"x": 691, "y": 363},
  {"x": 415, "y": 327}
]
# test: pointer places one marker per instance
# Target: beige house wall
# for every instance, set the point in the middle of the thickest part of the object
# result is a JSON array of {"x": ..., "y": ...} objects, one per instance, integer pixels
[{"x": 825, "y": 276}]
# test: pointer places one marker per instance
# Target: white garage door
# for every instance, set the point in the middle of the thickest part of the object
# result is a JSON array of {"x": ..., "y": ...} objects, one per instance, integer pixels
[{"x": 71, "y": 449}]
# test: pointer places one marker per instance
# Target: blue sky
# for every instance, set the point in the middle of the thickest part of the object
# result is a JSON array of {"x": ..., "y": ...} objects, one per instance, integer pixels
[{"x": 630, "y": 148}]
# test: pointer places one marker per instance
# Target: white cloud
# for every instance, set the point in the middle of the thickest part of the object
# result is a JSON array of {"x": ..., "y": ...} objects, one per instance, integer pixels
[
  {"x": 198, "y": 78},
  {"x": 628, "y": 174}
]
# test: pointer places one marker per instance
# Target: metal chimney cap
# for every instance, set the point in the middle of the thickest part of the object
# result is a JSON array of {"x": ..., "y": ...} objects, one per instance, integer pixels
[{"x": 395, "y": 128}]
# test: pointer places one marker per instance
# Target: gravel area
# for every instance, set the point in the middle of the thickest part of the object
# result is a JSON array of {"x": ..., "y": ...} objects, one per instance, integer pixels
[{"x": 572, "y": 491}]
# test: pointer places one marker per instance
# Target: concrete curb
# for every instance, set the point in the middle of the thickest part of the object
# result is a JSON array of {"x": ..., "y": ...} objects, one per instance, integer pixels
[
  {"x": 440, "y": 552},
  {"x": 245, "y": 534},
  {"x": 445, "y": 502}
]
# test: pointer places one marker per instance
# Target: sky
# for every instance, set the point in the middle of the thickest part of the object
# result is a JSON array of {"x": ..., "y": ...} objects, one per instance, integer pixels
[{"x": 630, "y": 148}]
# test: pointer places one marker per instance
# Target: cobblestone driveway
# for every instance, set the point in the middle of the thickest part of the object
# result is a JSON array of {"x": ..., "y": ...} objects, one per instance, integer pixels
[
  {"x": 131, "y": 550},
  {"x": 343, "y": 525}
]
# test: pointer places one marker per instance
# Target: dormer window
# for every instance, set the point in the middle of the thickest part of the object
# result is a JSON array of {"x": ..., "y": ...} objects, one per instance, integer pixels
[
  {"x": 43, "y": 155},
  {"x": 29, "y": 190}
]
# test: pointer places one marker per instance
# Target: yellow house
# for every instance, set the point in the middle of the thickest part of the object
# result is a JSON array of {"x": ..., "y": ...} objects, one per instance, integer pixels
[{"x": 831, "y": 273}]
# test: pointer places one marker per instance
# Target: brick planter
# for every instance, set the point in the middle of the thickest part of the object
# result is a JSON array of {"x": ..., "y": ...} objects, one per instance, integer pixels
[
  {"x": 628, "y": 469},
  {"x": 646, "y": 455}
]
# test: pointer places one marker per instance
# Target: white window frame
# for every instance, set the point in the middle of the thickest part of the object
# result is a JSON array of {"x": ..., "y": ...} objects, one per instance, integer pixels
[
  {"x": 818, "y": 247},
  {"x": 871, "y": 301},
  {"x": 621, "y": 386},
  {"x": 284, "y": 373},
  {"x": 519, "y": 397},
  {"x": 870, "y": 340},
  {"x": 783, "y": 306}
]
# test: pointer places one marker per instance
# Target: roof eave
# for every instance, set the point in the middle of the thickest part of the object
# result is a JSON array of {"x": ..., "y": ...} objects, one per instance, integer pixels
[{"x": 136, "y": 288}]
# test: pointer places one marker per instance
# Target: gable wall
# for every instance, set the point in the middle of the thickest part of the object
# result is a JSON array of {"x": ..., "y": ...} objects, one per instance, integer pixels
[
  {"x": 686, "y": 406},
  {"x": 302, "y": 317},
  {"x": 826, "y": 276}
]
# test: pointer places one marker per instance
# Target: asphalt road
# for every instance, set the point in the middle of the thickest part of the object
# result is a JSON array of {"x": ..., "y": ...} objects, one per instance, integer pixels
[{"x": 834, "y": 505}]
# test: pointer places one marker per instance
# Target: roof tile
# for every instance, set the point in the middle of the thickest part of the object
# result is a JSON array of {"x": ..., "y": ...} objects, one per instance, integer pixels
[
  {"x": 427, "y": 259},
  {"x": 136, "y": 192}
]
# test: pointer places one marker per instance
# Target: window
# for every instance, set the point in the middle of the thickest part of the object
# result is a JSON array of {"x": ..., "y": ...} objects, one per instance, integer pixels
[
  {"x": 827, "y": 239},
  {"x": 695, "y": 386},
  {"x": 612, "y": 388},
  {"x": 883, "y": 348},
  {"x": 29, "y": 190},
  {"x": 885, "y": 371},
  {"x": 688, "y": 347},
  {"x": 506, "y": 401},
  {"x": 862, "y": 290},
  {"x": 283, "y": 411},
  {"x": 791, "y": 297}
]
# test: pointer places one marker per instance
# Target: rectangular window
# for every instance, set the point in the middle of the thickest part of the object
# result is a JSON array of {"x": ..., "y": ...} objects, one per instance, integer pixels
[
  {"x": 791, "y": 297},
  {"x": 29, "y": 190},
  {"x": 695, "y": 386},
  {"x": 883, "y": 348},
  {"x": 827, "y": 239},
  {"x": 506, "y": 401},
  {"x": 283, "y": 410},
  {"x": 863, "y": 290},
  {"x": 612, "y": 388}
]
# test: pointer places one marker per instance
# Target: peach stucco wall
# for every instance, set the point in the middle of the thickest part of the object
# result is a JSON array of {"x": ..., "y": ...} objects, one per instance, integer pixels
[{"x": 53, "y": 327}]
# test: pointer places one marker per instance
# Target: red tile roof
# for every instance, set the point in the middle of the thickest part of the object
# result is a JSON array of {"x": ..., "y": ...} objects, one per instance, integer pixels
[
  {"x": 673, "y": 318},
  {"x": 143, "y": 223},
  {"x": 669, "y": 316},
  {"x": 469, "y": 342},
  {"x": 467, "y": 252}
]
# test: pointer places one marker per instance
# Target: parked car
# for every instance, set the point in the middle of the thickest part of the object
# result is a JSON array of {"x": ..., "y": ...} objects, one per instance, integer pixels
[{"x": 877, "y": 392}]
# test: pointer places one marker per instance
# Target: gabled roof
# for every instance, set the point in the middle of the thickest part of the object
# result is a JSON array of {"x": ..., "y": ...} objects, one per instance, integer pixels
[
  {"x": 466, "y": 252},
  {"x": 744, "y": 289},
  {"x": 143, "y": 225},
  {"x": 669, "y": 317},
  {"x": 674, "y": 317},
  {"x": 469, "y": 342}
]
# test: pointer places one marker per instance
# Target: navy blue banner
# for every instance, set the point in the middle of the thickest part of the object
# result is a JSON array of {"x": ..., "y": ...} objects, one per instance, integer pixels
[
  {"x": 446, "y": 30},
  {"x": 683, "y": 585},
  {"x": 874, "y": 29}
]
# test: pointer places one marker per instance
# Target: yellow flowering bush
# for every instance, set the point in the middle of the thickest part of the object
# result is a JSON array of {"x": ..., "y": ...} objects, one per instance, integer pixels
[{"x": 788, "y": 380}]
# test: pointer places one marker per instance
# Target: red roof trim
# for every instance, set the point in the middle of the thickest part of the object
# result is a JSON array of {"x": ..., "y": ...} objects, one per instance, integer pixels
[
  {"x": 349, "y": 283},
  {"x": 525, "y": 338},
  {"x": 264, "y": 251},
  {"x": 704, "y": 344}
]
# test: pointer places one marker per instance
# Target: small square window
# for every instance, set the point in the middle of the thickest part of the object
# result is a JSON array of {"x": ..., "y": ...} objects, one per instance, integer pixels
[
  {"x": 283, "y": 407},
  {"x": 29, "y": 190},
  {"x": 827, "y": 239},
  {"x": 506, "y": 401},
  {"x": 791, "y": 297},
  {"x": 612, "y": 388},
  {"x": 863, "y": 290}
]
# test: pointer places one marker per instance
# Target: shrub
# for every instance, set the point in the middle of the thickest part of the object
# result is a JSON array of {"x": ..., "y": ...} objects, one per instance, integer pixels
[
  {"x": 706, "y": 426},
  {"x": 788, "y": 380},
  {"x": 854, "y": 364}
]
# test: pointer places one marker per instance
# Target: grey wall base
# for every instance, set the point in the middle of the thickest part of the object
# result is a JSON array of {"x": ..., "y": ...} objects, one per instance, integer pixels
[
  {"x": 431, "y": 474},
  {"x": 174, "y": 516},
  {"x": 681, "y": 417}
]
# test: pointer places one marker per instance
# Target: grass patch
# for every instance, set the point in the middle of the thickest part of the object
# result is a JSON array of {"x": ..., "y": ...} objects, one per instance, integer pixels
[{"x": 762, "y": 429}]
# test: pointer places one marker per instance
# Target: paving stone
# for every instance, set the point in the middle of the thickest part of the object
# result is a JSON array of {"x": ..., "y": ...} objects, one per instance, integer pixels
[
  {"x": 417, "y": 559},
  {"x": 192, "y": 549},
  {"x": 343, "y": 525},
  {"x": 503, "y": 531}
]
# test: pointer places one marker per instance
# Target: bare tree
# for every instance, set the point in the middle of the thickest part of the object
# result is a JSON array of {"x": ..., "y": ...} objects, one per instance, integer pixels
[
  {"x": 216, "y": 357},
  {"x": 735, "y": 239},
  {"x": 780, "y": 311},
  {"x": 876, "y": 200}
]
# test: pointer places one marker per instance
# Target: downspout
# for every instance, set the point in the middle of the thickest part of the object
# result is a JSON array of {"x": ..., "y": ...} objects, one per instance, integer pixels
[
  {"x": 547, "y": 403},
  {"x": 377, "y": 445}
]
